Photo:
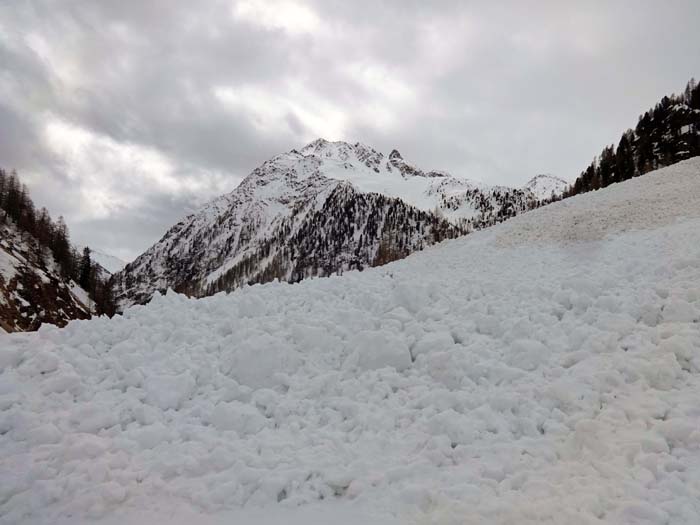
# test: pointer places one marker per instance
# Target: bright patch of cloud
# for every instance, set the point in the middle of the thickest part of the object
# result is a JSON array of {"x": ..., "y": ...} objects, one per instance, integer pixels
[
  {"x": 64, "y": 66},
  {"x": 114, "y": 176},
  {"x": 289, "y": 16},
  {"x": 269, "y": 111}
]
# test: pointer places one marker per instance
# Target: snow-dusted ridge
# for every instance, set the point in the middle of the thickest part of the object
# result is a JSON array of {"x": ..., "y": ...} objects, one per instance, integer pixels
[
  {"x": 545, "y": 370},
  {"x": 109, "y": 262},
  {"x": 327, "y": 208},
  {"x": 545, "y": 186}
]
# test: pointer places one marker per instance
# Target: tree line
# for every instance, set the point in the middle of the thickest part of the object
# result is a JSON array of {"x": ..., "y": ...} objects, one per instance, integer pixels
[
  {"x": 664, "y": 135},
  {"x": 352, "y": 231},
  {"x": 52, "y": 237}
]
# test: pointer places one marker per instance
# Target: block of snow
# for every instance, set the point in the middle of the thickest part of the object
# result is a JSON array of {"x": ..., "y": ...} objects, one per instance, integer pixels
[
  {"x": 45, "y": 434},
  {"x": 233, "y": 415},
  {"x": 378, "y": 349},
  {"x": 150, "y": 436},
  {"x": 260, "y": 361},
  {"x": 527, "y": 354},
  {"x": 432, "y": 342},
  {"x": 679, "y": 311},
  {"x": 168, "y": 391}
]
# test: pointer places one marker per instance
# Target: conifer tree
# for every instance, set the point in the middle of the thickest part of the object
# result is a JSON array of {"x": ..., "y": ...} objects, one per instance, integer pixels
[{"x": 85, "y": 270}]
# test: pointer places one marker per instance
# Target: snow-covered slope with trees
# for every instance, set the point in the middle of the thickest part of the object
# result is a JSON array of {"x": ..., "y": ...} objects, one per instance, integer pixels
[
  {"x": 32, "y": 289},
  {"x": 664, "y": 135},
  {"x": 107, "y": 262},
  {"x": 328, "y": 208},
  {"x": 546, "y": 370},
  {"x": 43, "y": 279}
]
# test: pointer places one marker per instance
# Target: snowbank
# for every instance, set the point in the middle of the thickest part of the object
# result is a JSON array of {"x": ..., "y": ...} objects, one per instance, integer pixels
[{"x": 504, "y": 377}]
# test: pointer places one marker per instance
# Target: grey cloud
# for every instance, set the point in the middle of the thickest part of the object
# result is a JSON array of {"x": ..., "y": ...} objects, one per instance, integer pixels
[
  {"x": 494, "y": 91},
  {"x": 139, "y": 226}
]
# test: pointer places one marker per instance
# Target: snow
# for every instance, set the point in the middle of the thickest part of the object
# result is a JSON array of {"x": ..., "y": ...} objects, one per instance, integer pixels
[
  {"x": 109, "y": 262},
  {"x": 8, "y": 264},
  {"x": 544, "y": 186},
  {"x": 80, "y": 294},
  {"x": 286, "y": 190},
  {"x": 373, "y": 172},
  {"x": 546, "y": 370}
]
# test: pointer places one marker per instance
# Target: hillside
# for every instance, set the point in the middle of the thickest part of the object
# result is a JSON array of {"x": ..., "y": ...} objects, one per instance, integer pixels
[
  {"x": 32, "y": 289},
  {"x": 546, "y": 186},
  {"x": 108, "y": 263},
  {"x": 43, "y": 278},
  {"x": 327, "y": 208},
  {"x": 664, "y": 135},
  {"x": 545, "y": 370}
]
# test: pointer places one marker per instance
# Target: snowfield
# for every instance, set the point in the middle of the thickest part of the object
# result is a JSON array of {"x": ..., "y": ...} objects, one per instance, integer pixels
[{"x": 546, "y": 370}]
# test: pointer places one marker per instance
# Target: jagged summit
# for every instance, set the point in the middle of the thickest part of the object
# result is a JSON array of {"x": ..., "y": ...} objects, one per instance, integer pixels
[
  {"x": 338, "y": 150},
  {"x": 328, "y": 207}
]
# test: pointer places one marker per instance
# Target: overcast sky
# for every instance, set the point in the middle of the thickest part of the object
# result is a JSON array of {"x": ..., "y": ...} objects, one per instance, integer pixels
[{"x": 126, "y": 115}]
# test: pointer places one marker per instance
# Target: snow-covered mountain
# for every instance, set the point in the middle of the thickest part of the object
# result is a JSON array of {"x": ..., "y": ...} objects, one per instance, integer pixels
[
  {"x": 107, "y": 262},
  {"x": 32, "y": 290},
  {"x": 545, "y": 370},
  {"x": 546, "y": 186},
  {"x": 327, "y": 208}
]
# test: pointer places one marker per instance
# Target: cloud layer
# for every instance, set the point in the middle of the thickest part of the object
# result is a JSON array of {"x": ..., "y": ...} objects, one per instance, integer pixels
[{"x": 124, "y": 116}]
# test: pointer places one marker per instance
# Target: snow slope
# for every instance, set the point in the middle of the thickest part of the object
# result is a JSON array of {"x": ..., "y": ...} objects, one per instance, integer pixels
[
  {"x": 545, "y": 370},
  {"x": 545, "y": 186},
  {"x": 109, "y": 262}
]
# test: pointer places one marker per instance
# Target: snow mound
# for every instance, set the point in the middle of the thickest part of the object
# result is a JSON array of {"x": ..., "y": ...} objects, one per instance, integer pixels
[{"x": 484, "y": 380}]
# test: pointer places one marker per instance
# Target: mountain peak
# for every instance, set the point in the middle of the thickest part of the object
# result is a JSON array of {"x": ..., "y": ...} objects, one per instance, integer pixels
[
  {"x": 316, "y": 144},
  {"x": 278, "y": 222},
  {"x": 545, "y": 185}
]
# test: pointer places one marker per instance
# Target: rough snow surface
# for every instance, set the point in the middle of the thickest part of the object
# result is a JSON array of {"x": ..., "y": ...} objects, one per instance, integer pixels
[
  {"x": 640, "y": 203},
  {"x": 552, "y": 379}
]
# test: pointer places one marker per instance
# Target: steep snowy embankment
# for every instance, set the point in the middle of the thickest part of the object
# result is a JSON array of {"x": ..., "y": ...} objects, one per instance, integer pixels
[{"x": 546, "y": 370}]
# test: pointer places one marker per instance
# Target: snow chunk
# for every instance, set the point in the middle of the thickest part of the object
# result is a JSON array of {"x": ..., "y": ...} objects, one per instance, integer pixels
[
  {"x": 240, "y": 417},
  {"x": 432, "y": 342},
  {"x": 679, "y": 311},
  {"x": 260, "y": 361},
  {"x": 378, "y": 349},
  {"x": 169, "y": 391},
  {"x": 527, "y": 354}
]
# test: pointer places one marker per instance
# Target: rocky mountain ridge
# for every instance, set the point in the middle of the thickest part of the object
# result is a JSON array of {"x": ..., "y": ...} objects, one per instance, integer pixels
[{"x": 326, "y": 208}]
